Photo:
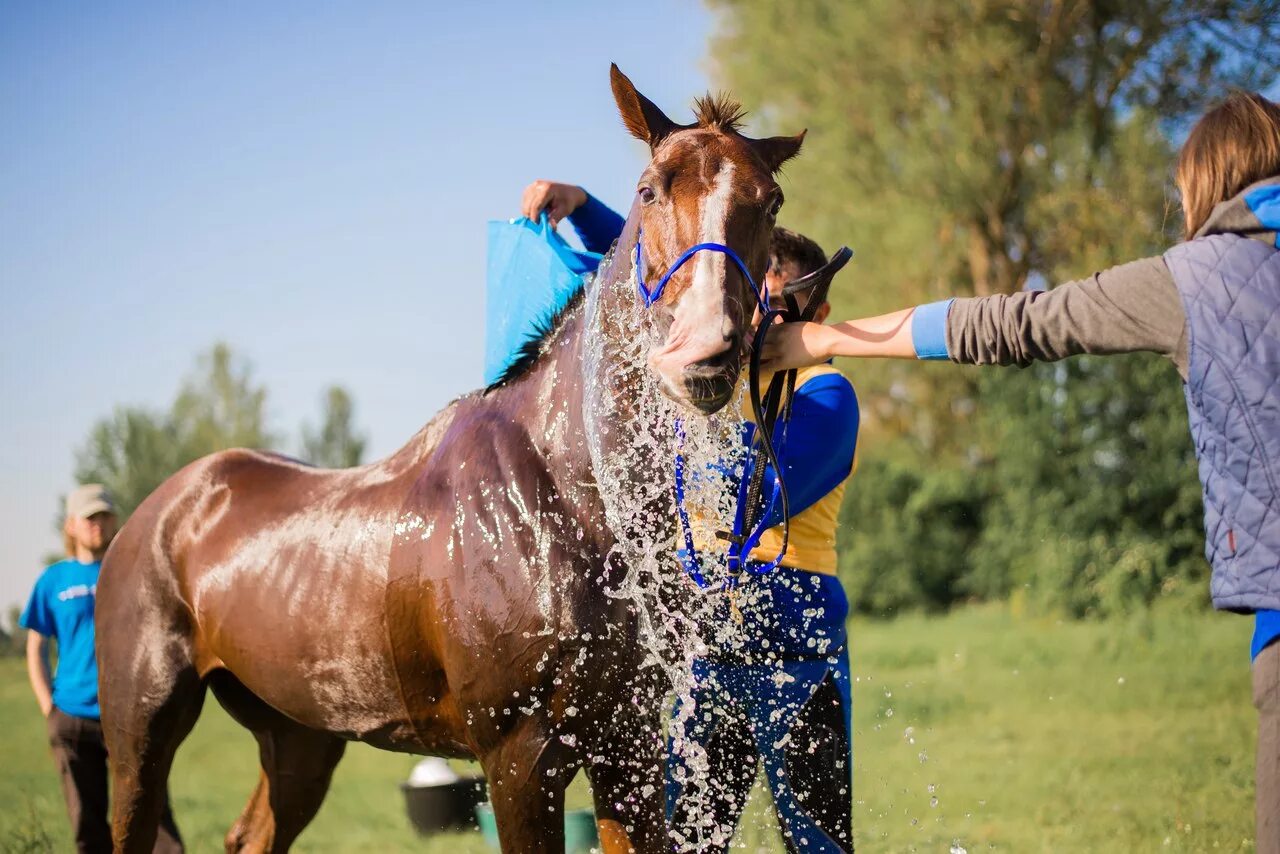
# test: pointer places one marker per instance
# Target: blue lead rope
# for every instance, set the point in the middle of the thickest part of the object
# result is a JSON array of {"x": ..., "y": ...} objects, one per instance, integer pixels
[{"x": 740, "y": 547}]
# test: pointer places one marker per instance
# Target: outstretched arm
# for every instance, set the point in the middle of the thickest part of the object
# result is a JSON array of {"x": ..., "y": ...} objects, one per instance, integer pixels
[
  {"x": 798, "y": 345},
  {"x": 1125, "y": 309}
]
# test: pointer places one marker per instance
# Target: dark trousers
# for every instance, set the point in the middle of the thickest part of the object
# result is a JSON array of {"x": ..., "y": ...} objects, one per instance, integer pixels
[
  {"x": 804, "y": 742},
  {"x": 81, "y": 755},
  {"x": 1266, "y": 699}
]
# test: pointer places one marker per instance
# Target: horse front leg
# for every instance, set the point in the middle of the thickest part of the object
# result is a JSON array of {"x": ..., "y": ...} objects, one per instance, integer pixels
[
  {"x": 628, "y": 786},
  {"x": 527, "y": 781}
]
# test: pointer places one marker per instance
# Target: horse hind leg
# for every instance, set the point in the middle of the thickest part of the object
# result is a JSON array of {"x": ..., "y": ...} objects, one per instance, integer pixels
[
  {"x": 297, "y": 765},
  {"x": 148, "y": 708}
]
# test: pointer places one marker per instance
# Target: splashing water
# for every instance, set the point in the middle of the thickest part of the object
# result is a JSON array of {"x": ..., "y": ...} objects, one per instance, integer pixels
[{"x": 635, "y": 473}]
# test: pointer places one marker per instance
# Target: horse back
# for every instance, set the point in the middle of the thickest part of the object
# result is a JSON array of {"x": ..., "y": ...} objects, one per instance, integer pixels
[{"x": 275, "y": 571}]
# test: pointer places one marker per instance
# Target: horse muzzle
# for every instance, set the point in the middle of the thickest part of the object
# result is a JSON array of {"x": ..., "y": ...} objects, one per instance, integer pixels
[
  {"x": 709, "y": 392},
  {"x": 706, "y": 385}
]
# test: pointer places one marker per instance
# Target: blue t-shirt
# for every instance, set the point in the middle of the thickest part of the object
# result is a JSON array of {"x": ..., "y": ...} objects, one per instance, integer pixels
[{"x": 61, "y": 607}]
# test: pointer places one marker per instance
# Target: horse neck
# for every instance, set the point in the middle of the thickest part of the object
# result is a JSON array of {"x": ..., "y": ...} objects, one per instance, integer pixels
[
  {"x": 550, "y": 402},
  {"x": 558, "y": 401}
]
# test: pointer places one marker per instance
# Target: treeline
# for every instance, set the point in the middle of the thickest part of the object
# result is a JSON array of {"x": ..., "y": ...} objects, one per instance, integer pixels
[
  {"x": 219, "y": 405},
  {"x": 980, "y": 148}
]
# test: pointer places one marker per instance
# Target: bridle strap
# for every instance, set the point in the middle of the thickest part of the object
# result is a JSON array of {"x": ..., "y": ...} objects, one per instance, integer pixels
[
  {"x": 650, "y": 297},
  {"x": 774, "y": 406}
]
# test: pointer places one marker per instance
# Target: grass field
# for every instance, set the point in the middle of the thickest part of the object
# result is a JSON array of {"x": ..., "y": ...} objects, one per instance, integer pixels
[{"x": 978, "y": 729}]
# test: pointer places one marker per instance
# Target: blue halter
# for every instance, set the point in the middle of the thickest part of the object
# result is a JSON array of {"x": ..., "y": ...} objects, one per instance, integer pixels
[
  {"x": 651, "y": 297},
  {"x": 741, "y": 542}
]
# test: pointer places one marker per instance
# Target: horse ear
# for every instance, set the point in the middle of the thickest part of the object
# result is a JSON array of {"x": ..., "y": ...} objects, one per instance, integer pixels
[
  {"x": 641, "y": 116},
  {"x": 777, "y": 150}
]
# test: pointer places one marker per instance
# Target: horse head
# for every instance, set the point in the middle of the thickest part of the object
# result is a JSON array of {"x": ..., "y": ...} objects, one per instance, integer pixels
[{"x": 706, "y": 183}]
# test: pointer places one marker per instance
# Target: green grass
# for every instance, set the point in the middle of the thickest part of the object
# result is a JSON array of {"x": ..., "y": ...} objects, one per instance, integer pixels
[{"x": 1032, "y": 734}]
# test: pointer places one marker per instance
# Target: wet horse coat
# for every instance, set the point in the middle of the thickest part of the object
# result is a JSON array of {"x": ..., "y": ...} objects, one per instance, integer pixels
[{"x": 449, "y": 598}]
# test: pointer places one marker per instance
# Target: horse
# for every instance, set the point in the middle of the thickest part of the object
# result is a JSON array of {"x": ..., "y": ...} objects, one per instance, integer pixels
[{"x": 446, "y": 600}]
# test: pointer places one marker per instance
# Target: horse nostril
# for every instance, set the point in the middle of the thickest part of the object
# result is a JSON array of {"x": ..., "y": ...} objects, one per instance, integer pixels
[
  {"x": 717, "y": 364},
  {"x": 709, "y": 390}
]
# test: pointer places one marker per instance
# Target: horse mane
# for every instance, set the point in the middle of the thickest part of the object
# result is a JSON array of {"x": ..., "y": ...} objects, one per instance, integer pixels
[
  {"x": 529, "y": 351},
  {"x": 719, "y": 111}
]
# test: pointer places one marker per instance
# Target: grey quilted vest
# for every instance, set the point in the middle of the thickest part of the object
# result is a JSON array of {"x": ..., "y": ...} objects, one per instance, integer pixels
[{"x": 1230, "y": 287}]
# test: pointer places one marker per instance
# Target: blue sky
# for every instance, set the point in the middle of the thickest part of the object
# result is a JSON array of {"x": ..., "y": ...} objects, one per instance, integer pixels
[{"x": 308, "y": 182}]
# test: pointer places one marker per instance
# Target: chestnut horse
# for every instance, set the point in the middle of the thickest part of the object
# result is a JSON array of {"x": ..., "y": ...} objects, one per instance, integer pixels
[{"x": 446, "y": 600}]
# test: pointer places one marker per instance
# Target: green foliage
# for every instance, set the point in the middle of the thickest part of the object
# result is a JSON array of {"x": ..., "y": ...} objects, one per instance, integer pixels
[
  {"x": 13, "y": 638},
  {"x": 1095, "y": 506},
  {"x": 131, "y": 453},
  {"x": 904, "y": 533},
  {"x": 134, "y": 450},
  {"x": 336, "y": 444},
  {"x": 219, "y": 405},
  {"x": 970, "y": 149}
]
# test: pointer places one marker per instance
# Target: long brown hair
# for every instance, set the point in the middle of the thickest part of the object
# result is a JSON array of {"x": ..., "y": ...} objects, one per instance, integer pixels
[{"x": 1232, "y": 146}]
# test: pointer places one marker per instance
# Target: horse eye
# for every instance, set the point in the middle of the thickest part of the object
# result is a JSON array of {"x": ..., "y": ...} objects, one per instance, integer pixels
[
  {"x": 646, "y": 195},
  {"x": 776, "y": 206}
]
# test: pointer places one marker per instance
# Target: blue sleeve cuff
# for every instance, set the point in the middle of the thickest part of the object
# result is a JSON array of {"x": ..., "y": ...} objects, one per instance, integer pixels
[
  {"x": 929, "y": 330},
  {"x": 35, "y": 616}
]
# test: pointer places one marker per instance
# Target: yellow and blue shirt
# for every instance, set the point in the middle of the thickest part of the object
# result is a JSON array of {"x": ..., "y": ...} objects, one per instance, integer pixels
[{"x": 817, "y": 453}]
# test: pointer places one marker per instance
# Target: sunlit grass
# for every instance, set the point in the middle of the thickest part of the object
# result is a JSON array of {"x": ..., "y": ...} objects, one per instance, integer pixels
[{"x": 1032, "y": 734}]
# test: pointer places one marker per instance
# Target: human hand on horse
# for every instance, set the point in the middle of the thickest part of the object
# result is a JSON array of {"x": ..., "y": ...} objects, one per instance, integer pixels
[{"x": 558, "y": 200}]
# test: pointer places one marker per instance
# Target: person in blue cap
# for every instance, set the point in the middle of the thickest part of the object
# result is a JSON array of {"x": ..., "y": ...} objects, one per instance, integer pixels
[
  {"x": 784, "y": 700},
  {"x": 1211, "y": 305},
  {"x": 61, "y": 609}
]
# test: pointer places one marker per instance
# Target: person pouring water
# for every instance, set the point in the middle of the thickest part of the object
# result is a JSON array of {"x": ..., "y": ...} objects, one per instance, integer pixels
[
  {"x": 784, "y": 700},
  {"x": 1211, "y": 305}
]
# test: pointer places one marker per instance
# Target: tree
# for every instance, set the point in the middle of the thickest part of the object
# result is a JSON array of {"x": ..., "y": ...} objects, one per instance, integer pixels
[
  {"x": 13, "y": 638},
  {"x": 968, "y": 147},
  {"x": 132, "y": 452},
  {"x": 976, "y": 148},
  {"x": 336, "y": 444},
  {"x": 220, "y": 407}
]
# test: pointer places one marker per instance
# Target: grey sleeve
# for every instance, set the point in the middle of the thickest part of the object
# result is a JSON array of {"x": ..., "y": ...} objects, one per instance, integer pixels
[{"x": 1124, "y": 309}]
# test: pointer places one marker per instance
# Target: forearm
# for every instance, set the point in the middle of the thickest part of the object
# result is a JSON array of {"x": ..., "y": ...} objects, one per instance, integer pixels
[
  {"x": 38, "y": 670},
  {"x": 597, "y": 225},
  {"x": 887, "y": 336}
]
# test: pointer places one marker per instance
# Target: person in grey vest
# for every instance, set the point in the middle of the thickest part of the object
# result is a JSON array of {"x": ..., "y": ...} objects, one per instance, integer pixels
[{"x": 1212, "y": 306}]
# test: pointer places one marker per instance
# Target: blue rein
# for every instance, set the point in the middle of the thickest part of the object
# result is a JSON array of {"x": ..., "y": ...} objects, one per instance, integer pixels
[{"x": 741, "y": 543}]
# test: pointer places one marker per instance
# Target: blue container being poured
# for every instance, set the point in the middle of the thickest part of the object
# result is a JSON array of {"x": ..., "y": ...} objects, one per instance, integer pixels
[{"x": 532, "y": 274}]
